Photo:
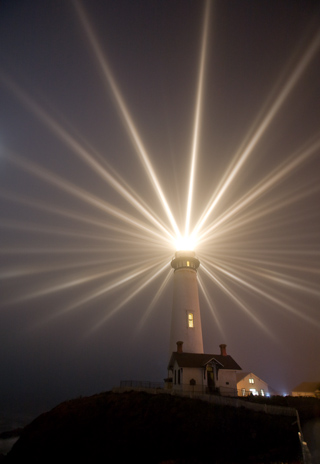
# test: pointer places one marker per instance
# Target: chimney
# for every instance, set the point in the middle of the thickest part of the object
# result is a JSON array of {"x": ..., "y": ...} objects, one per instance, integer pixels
[
  {"x": 179, "y": 347},
  {"x": 223, "y": 349}
]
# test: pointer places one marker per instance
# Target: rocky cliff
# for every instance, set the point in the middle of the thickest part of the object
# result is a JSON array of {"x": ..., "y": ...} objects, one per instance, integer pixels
[{"x": 146, "y": 428}]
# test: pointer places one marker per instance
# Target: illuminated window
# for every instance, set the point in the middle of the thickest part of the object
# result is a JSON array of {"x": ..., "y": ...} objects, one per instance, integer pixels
[
  {"x": 262, "y": 392},
  {"x": 190, "y": 320},
  {"x": 188, "y": 263},
  {"x": 251, "y": 380},
  {"x": 243, "y": 390}
]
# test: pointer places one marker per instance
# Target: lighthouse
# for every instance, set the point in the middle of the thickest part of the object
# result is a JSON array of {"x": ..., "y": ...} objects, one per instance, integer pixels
[
  {"x": 185, "y": 318},
  {"x": 190, "y": 370}
]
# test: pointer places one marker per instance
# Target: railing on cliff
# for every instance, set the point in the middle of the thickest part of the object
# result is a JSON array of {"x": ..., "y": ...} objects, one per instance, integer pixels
[{"x": 228, "y": 400}]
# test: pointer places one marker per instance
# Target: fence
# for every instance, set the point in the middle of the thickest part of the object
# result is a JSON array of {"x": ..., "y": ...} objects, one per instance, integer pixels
[
  {"x": 234, "y": 401},
  {"x": 239, "y": 403}
]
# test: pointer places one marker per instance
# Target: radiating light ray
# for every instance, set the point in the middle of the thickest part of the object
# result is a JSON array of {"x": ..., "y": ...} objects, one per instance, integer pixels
[
  {"x": 28, "y": 250},
  {"x": 115, "y": 309},
  {"x": 260, "y": 251},
  {"x": 59, "y": 287},
  {"x": 123, "y": 280},
  {"x": 296, "y": 284},
  {"x": 250, "y": 248},
  {"x": 257, "y": 213},
  {"x": 77, "y": 192},
  {"x": 119, "y": 180},
  {"x": 280, "y": 293},
  {"x": 120, "y": 184},
  {"x": 31, "y": 270},
  {"x": 22, "y": 270},
  {"x": 290, "y": 267},
  {"x": 235, "y": 223},
  {"x": 243, "y": 227},
  {"x": 238, "y": 301},
  {"x": 294, "y": 251},
  {"x": 126, "y": 117},
  {"x": 242, "y": 156},
  {"x": 275, "y": 253},
  {"x": 252, "y": 243},
  {"x": 79, "y": 150},
  {"x": 211, "y": 306},
  {"x": 264, "y": 294},
  {"x": 154, "y": 301},
  {"x": 58, "y": 232},
  {"x": 198, "y": 112},
  {"x": 277, "y": 277},
  {"x": 66, "y": 284},
  {"x": 96, "y": 293},
  {"x": 69, "y": 214},
  {"x": 47, "y": 250},
  {"x": 246, "y": 240},
  {"x": 264, "y": 186}
]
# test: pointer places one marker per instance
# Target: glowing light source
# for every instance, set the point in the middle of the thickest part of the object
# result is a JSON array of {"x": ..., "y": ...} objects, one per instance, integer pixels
[{"x": 185, "y": 243}]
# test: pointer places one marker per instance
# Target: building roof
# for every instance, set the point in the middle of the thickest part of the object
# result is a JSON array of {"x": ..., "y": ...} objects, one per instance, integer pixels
[
  {"x": 242, "y": 375},
  {"x": 201, "y": 359},
  {"x": 307, "y": 387}
]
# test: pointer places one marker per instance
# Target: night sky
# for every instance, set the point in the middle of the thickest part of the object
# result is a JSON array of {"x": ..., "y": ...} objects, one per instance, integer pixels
[{"x": 97, "y": 100}]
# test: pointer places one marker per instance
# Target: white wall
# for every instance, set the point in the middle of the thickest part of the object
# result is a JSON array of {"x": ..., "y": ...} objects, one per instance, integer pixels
[
  {"x": 258, "y": 385},
  {"x": 227, "y": 382},
  {"x": 186, "y": 374},
  {"x": 185, "y": 298}
]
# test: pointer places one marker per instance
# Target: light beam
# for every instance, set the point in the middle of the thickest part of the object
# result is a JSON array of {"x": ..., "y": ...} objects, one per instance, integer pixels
[
  {"x": 198, "y": 112},
  {"x": 242, "y": 156},
  {"x": 126, "y": 117}
]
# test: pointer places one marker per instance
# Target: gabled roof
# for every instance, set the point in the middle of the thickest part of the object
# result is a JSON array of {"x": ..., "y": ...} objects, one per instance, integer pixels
[
  {"x": 242, "y": 375},
  {"x": 201, "y": 359},
  {"x": 307, "y": 387}
]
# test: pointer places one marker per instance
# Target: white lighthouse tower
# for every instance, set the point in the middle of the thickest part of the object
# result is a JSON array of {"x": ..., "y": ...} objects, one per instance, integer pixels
[
  {"x": 190, "y": 370},
  {"x": 185, "y": 319}
]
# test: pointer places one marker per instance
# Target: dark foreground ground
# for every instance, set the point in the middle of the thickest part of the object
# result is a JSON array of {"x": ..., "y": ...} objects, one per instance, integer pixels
[{"x": 145, "y": 428}]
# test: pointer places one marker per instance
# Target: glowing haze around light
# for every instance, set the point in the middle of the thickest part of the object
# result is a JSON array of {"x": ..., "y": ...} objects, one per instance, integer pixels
[{"x": 150, "y": 233}]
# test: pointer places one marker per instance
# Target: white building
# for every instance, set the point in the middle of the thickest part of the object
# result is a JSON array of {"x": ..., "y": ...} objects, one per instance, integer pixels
[
  {"x": 250, "y": 384},
  {"x": 202, "y": 373}
]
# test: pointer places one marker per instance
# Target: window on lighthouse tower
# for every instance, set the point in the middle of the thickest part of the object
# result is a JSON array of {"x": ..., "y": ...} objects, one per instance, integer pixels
[{"x": 190, "y": 320}]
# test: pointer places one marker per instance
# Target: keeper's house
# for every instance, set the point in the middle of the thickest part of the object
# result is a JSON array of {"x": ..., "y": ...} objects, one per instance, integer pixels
[{"x": 202, "y": 373}]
